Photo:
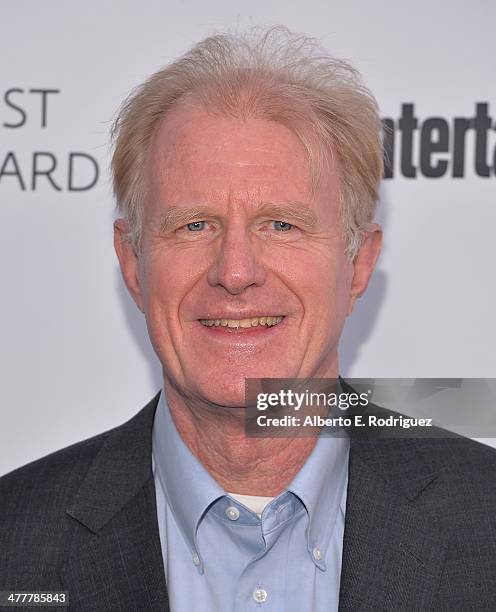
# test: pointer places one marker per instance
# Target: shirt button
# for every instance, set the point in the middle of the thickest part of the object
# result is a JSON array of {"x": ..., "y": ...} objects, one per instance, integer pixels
[
  {"x": 232, "y": 513},
  {"x": 196, "y": 559},
  {"x": 259, "y": 595},
  {"x": 317, "y": 554}
]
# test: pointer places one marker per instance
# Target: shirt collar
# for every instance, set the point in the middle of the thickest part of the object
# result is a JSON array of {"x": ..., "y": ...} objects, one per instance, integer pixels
[
  {"x": 321, "y": 486},
  {"x": 188, "y": 487}
]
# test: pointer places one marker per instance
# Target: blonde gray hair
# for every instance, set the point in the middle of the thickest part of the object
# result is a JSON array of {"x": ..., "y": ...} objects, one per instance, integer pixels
[{"x": 272, "y": 74}]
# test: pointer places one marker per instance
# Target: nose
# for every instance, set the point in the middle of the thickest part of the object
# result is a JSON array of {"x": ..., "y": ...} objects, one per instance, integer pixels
[{"x": 236, "y": 266}]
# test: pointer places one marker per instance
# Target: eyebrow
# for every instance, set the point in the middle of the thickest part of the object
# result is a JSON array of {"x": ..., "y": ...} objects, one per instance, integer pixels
[{"x": 177, "y": 216}]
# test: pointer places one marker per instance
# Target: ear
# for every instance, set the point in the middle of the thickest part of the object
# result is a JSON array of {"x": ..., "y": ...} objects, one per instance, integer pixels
[
  {"x": 364, "y": 263},
  {"x": 128, "y": 261}
]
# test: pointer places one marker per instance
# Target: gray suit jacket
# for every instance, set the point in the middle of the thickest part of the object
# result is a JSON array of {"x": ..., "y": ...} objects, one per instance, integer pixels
[{"x": 420, "y": 530}]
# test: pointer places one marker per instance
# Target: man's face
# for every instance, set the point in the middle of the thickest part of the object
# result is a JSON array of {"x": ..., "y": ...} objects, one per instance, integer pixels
[{"x": 232, "y": 232}]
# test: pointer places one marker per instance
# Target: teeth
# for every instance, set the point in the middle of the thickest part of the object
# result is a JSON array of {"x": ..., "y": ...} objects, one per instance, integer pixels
[{"x": 245, "y": 323}]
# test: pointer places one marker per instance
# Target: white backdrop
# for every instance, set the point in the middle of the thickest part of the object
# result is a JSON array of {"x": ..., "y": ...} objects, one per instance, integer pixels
[{"x": 74, "y": 353}]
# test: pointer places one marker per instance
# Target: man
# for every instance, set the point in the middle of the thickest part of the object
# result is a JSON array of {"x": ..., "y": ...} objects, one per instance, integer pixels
[{"x": 246, "y": 174}]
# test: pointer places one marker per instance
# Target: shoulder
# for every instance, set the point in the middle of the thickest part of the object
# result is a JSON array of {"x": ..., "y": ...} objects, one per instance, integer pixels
[
  {"x": 455, "y": 458},
  {"x": 57, "y": 475},
  {"x": 447, "y": 474},
  {"x": 34, "y": 529},
  {"x": 33, "y": 502},
  {"x": 467, "y": 467},
  {"x": 460, "y": 463}
]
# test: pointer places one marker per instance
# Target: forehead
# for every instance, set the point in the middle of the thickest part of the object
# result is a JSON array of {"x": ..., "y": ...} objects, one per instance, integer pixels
[{"x": 197, "y": 156}]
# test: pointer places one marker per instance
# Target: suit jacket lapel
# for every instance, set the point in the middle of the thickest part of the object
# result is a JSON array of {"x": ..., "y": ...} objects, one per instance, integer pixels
[
  {"x": 115, "y": 558},
  {"x": 392, "y": 556}
]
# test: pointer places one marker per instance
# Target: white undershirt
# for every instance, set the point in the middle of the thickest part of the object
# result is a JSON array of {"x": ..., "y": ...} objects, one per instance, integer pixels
[{"x": 254, "y": 502}]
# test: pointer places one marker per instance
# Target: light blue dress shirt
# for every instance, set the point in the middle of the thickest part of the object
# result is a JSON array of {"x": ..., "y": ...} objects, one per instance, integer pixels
[{"x": 219, "y": 556}]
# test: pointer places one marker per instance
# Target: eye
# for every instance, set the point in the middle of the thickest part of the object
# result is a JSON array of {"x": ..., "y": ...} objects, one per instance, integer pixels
[
  {"x": 196, "y": 226},
  {"x": 282, "y": 226}
]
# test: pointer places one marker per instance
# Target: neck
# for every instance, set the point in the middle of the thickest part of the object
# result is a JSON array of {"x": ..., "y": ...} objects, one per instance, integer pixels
[{"x": 240, "y": 464}]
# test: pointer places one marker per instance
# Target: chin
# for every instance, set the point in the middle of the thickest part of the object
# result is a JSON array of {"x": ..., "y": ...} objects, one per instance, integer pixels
[
  {"x": 224, "y": 392},
  {"x": 228, "y": 388}
]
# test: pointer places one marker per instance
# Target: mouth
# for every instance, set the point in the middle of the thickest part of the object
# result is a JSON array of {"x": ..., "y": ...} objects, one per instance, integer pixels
[{"x": 243, "y": 324}]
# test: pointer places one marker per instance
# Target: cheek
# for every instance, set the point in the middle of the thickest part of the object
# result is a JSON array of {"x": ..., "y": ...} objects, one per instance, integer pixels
[
  {"x": 164, "y": 284},
  {"x": 325, "y": 295},
  {"x": 171, "y": 278},
  {"x": 323, "y": 284}
]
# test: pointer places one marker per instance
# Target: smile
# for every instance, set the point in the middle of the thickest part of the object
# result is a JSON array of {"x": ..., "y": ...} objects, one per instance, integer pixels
[{"x": 243, "y": 323}]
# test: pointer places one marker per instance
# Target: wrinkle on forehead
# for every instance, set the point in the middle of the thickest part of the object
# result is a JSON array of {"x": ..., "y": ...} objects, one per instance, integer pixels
[
  {"x": 199, "y": 158},
  {"x": 174, "y": 137}
]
